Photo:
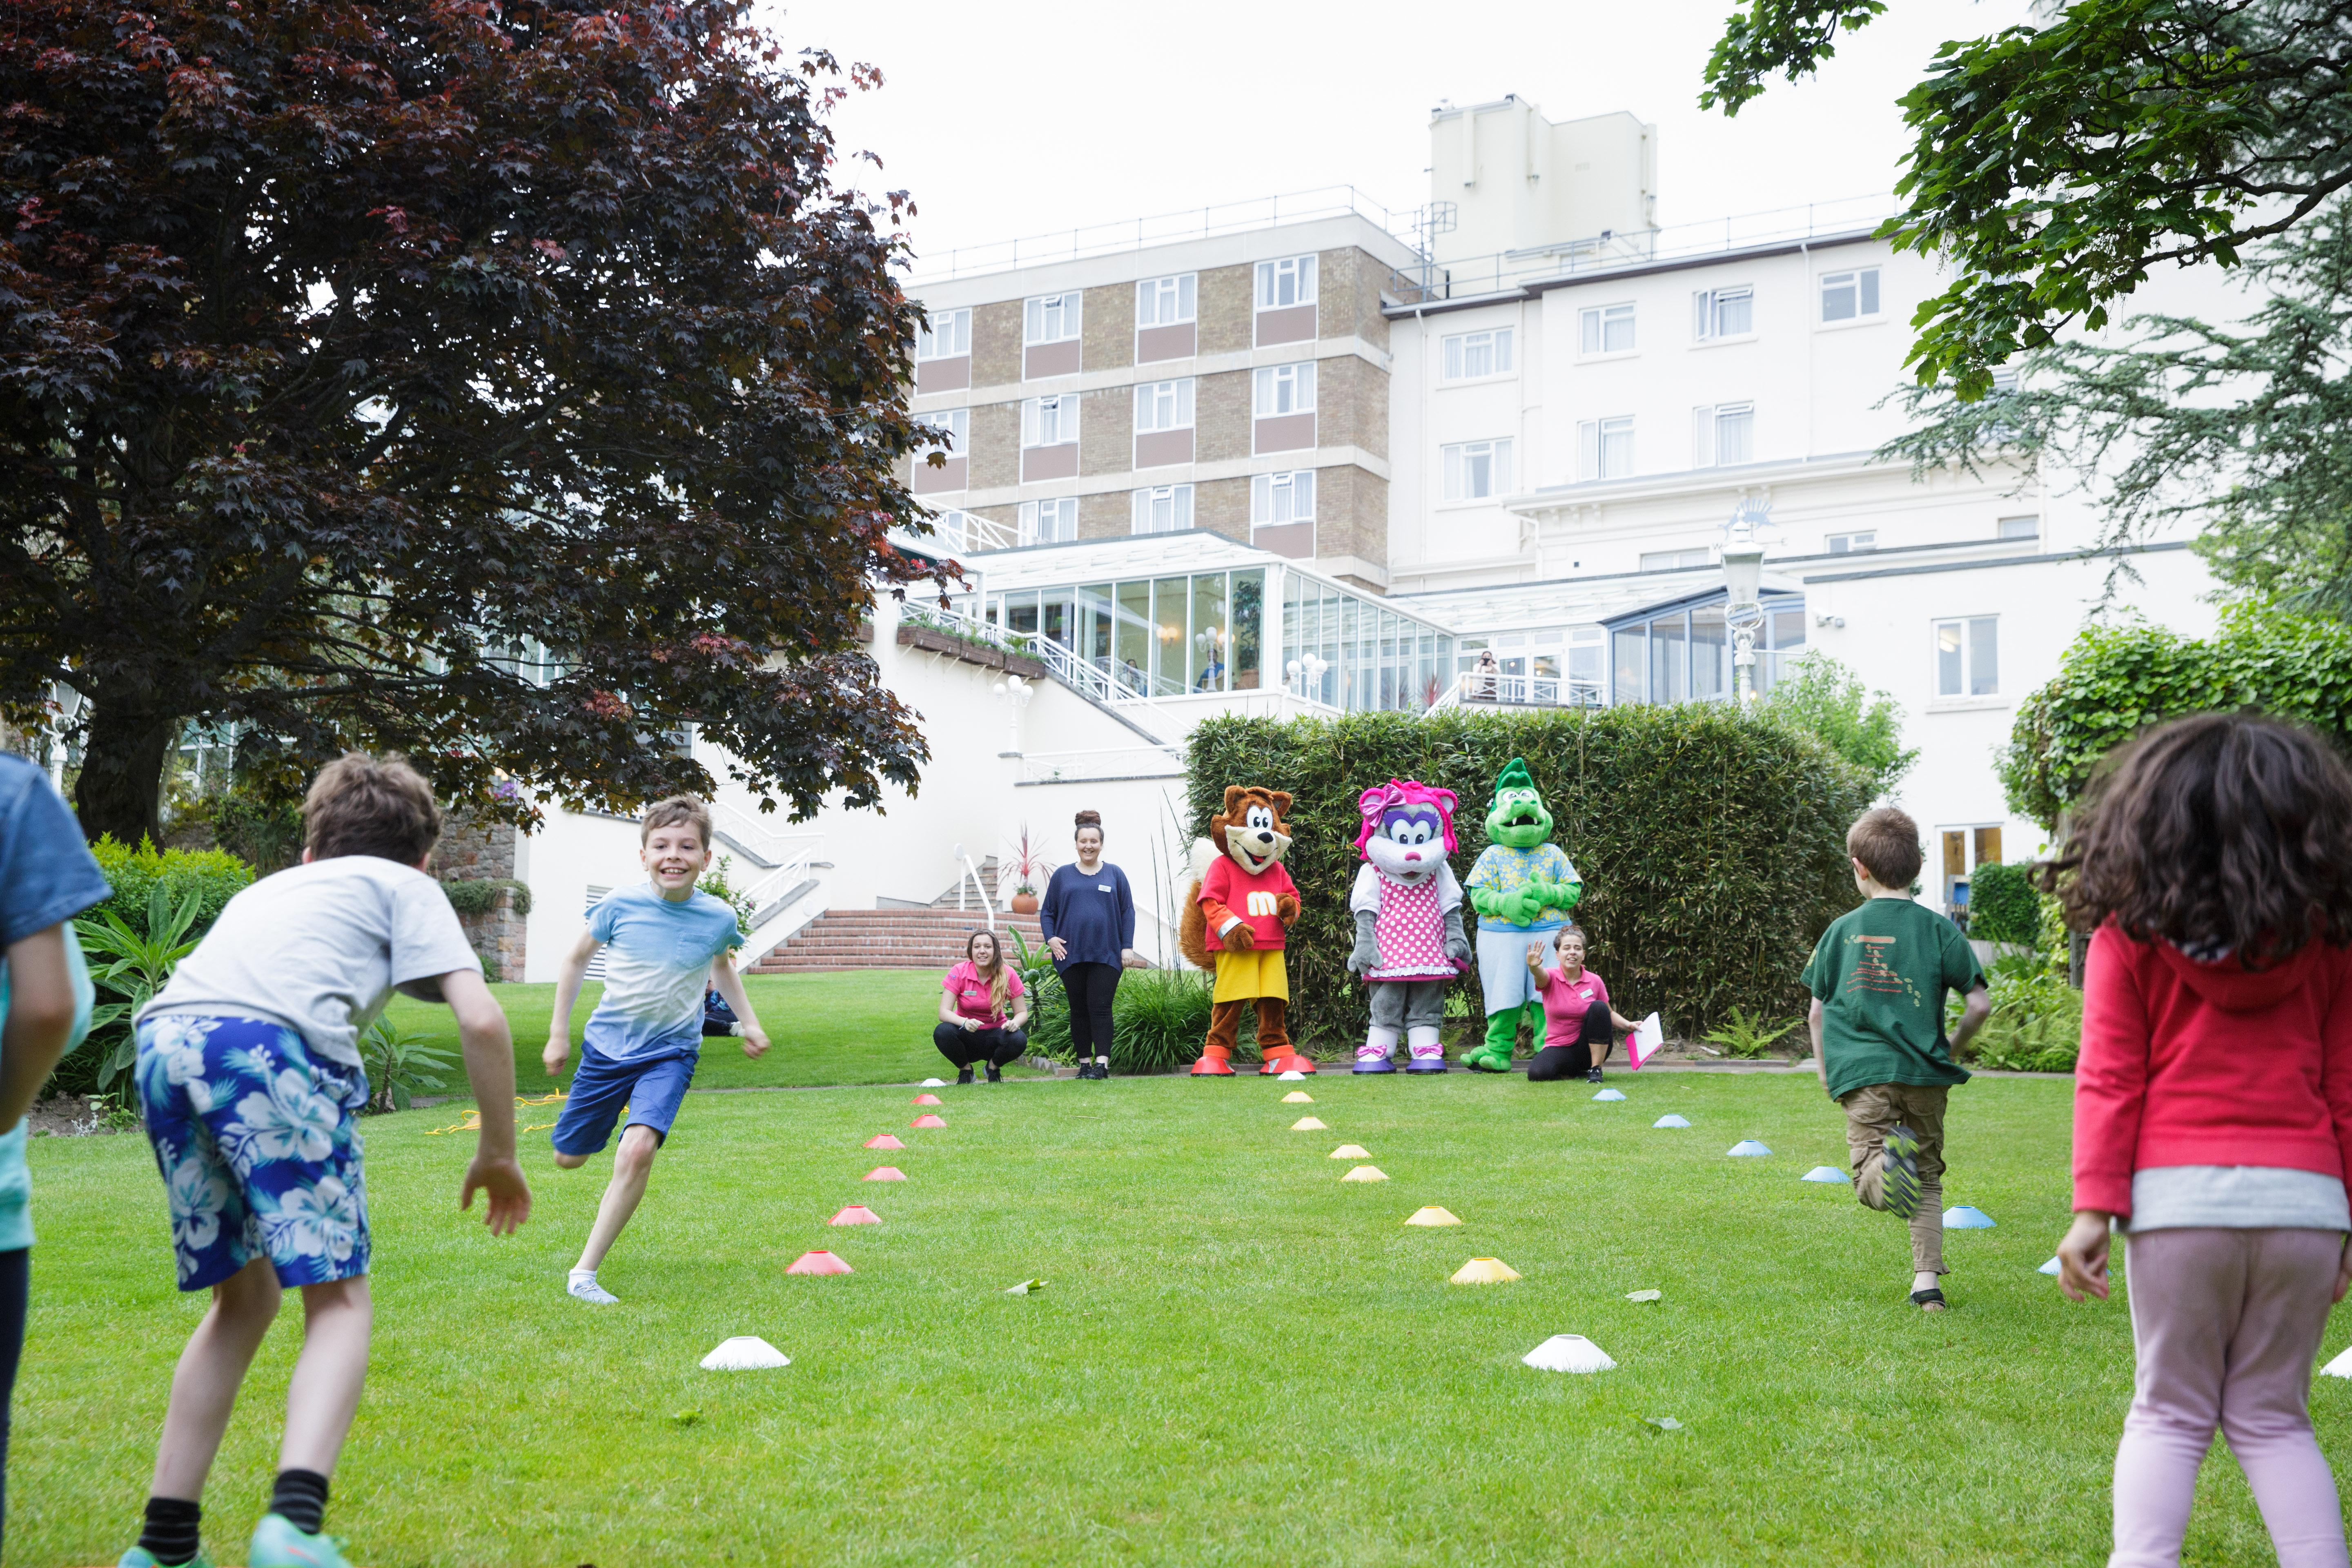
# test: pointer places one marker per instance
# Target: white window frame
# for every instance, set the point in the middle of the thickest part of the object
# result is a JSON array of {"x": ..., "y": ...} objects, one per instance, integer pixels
[
  {"x": 1605, "y": 447},
  {"x": 1863, "y": 284},
  {"x": 1854, "y": 542},
  {"x": 1677, "y": 560},
  {"x": 2007, "y": 529},
  {"x": 1048, "y": 521},
  {"x": 1707, "y": 313},
  {"x": 958, "y": 423},
  {"x": 1476, "y": 470},
  {"x": 1977, "y": 639},
  {"x": 1594, "y": 325},
  {"x": 1061, "y": 420},
  {"x": 1271, "y": 382},
  {"x": 1708, "y": 422},
  {"x": 1051, "y": 318},
  {"x": 946, "y": 334},
  {"x": 1273, "y": 495},
  {"x": 1148, "y": 502},
  {"x": 1178, "y": 295},
  {"x": 1297, "y": 273},
  {"x": 1454, "y": 352},
  {"x": 1164, "y": 404}
]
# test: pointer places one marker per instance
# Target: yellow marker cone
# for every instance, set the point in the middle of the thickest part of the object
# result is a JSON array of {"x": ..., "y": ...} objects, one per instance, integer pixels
[
  {"x": 1298, "y": 1097},
  {"x": 1484, "y": 1272},
  {"x": 1365, "y": 1173},
  {"x": 1351, "y": 1151},
  {"x": 1308, "y": 1124},
  {"x": 1432, "y": 1215}
]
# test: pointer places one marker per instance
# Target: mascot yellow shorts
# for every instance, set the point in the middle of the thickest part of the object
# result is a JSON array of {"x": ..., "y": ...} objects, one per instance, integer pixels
[{"x": 1257, "y": 973}]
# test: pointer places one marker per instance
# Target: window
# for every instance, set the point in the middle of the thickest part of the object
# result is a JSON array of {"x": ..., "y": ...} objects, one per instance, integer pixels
[
  {"x": 1965, "y": 849},
  {"x": 1968, "y": 657},
  {"x": 1723, "y": 313},
  {"x": 1283, "y": 498},
  {"x": 1606, "y": 330},
  {"x": 1606, "y": 447},
  {"x": 947, "y": 334},
  {"x": 1166, "y": 509},
  {"x": 1723, "y": 433},
  {"x": 1475, "y": 470},
  {"x": 1164, "y": 302},
  {"x": 1049, "y": 421},
  {"x": 1675, "y": 560},
  {"x": 1164, "y": 404},
  {"x": 1849, "y": 296},
  {"x": 1050, "y": 317},
  {"x": 2019, "y": 528},
  {"x": 1049, "y": 522},
  {"x": 1469, "y": 355},
  {"x": 1286, "y": 388},
  {"x": 1851, "y": 544},
  {"x": 956, "y": 423},
  {"x": 1290, "y": 281}
]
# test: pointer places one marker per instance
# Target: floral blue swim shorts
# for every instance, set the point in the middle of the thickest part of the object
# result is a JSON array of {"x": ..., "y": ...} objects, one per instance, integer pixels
[{"x": 258, "y": 1149}]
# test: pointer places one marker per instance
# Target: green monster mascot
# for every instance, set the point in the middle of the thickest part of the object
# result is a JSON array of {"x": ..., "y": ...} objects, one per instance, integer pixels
[{"x": 1522, "y": 887}]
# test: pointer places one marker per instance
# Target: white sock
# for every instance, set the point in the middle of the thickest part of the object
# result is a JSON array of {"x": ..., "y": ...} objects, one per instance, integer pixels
[
  {"x": 583, "y": 1285},
  {"x": 1926, "y": 1283}
]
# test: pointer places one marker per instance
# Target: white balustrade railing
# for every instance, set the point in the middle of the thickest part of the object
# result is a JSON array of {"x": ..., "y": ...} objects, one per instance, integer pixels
[
  {"x": 1524, "y": 691},
  {"x": 1102, "y": 763}
]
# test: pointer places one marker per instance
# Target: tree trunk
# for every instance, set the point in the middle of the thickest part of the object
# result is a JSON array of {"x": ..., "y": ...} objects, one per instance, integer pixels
[{"x": 121, "y": 789}]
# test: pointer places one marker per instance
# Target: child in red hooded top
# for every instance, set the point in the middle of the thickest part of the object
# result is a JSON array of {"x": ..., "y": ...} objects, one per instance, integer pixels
[{"x": 2213, "y": 1111}]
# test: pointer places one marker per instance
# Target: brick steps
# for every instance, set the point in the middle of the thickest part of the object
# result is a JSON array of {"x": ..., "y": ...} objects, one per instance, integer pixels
[{"x": 884, "y": 939}]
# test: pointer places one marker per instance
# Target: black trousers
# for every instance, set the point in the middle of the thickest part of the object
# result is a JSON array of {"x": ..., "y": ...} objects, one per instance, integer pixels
[
  {"x": 15, "y": 1278},
  {"x": 1594, "y": 1040},
  {"x": 964, "y": 1047},
  {"x": 1091, "y": 987}
]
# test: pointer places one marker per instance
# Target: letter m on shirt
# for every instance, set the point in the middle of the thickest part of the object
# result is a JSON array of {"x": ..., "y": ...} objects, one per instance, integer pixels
[{"x": 1259, "y": 904}]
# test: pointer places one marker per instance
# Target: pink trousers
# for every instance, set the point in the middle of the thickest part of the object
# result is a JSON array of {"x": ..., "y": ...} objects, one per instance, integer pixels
[{"x": 2227, "y": 1324}]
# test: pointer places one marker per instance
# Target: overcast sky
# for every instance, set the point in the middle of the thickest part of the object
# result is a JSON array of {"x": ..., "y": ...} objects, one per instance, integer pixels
[{"x": 1014, "y": 118}]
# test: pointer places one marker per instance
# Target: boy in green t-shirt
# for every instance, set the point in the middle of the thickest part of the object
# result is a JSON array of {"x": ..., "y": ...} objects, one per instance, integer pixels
[{"x": 1878, "y": 977}]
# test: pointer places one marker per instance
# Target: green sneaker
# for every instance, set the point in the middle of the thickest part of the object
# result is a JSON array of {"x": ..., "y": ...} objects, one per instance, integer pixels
[
  {"x": 1899, "y": 1172},
  {"x": 140, "y": 1557},
  {"x": 277, "y": 1545}
]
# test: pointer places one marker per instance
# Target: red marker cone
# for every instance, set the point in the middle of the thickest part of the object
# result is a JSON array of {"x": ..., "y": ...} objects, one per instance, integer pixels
[
  {"x": 929, "y": 1100},
  {"x": 928, "y": 1119},
  {"x": 884, "y": 1141},
  {"x": 856, "y": 1214},
  {"x": 885, "y": 1173},
  {"x": 818, "y": 1263}
]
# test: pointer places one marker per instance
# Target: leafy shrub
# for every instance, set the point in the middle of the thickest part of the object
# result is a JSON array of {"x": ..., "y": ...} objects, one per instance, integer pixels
[
  {"x": 1750, "y": 1039},
  {"x": 211, "y": 877},
  {"x": 2037, "y": 1019},
  {"x": 399, "y": 1064},
  {"x": 2004, "y": 906},
  {"x": 1158, "y": 1019},
  {"x": 715, "y": 882},
  {"x": 1712, "y": 844},
  {"x": 480, "y": 896},
  {"x": 1822, "y": 697},
  {"x": 133, "y": 965}
]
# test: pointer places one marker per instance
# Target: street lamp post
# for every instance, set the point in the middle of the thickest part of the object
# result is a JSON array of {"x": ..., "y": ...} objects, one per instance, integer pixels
[
  {"x": 1307, "y": 671},
  {"x": 1743, "y": 612},
  {"x": 1015, "y": 694}
]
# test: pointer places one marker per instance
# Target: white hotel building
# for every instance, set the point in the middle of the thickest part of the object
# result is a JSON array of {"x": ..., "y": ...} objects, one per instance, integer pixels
[{"x": 1303, "y": 456}]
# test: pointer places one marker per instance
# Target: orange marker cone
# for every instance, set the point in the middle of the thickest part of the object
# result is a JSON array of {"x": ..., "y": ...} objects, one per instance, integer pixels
[
  {"x": 885, "y": 1173},
  {"x": 884, "y": 1141},
  {"x": 856, "y": 1214},
  {"x": 928, "y": 1119},
  {"x": 819, "y": 1263},
  {"x": 929, "y": 1100},
  {"x": 1484, "y": 1272}
]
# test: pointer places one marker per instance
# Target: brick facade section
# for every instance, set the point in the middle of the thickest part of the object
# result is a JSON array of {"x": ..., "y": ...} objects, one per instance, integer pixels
[
  {"x": 1351, "y": 402},
  {"x": 996, "y": 445},
  {"x": 1221, "y": 416},
  {"x": 996, "y": 344},
  {"x": 1108, "y": 326},
  {"x": 1223, "y": 506},
  {"x": 1351, "y": 514},
  {"x": 1006, "y": 517},
  {"x": 497, "y": 938},
  {"x": 1111, "y": 515},
  {"x": 474, "y": 848},
  {"x": 1348, "y": 295},
  {"x": 1107, "y": 431},
  {"x": 1226, "y": 304}
]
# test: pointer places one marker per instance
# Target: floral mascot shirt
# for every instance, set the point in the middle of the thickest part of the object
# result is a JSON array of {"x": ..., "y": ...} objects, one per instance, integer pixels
[
  {"x": 1407, "y": 911},
  {"x": 1522, "y": 887}
]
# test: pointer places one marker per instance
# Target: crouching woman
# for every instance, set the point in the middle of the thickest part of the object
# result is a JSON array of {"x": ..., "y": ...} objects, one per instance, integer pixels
[{"x": 984, "y": 1011}]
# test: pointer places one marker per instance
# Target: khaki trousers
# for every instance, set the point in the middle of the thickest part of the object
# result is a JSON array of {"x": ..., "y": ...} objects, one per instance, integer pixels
[{"x": 1871, "y": 1113}]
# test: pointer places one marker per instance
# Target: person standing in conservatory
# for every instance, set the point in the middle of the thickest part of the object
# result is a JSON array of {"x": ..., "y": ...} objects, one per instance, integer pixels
[{"x": 1089, "y": 923}]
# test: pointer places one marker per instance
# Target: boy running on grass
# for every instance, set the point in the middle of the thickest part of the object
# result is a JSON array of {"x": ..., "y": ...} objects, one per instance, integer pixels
[
  {"x": 1878, "y": 978},
  {"x": 249, "y": 1075},
  {"x": 639, "y": 1050}
]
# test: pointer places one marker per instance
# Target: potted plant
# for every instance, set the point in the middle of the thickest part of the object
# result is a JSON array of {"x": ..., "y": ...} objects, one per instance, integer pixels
[{"x": 1026, "y": 867}]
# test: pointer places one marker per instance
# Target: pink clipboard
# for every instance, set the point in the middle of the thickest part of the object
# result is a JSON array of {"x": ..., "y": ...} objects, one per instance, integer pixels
[{"x": 1644, "y": 1042}]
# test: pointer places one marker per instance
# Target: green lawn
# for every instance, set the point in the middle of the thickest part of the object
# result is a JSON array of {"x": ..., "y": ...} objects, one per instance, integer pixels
[
  {"x": 1239, "y": 1358},
  {"x": 869, "y": 1025}
]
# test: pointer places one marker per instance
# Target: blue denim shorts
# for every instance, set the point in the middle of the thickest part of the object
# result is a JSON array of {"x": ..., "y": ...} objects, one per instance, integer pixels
[
  {"x": 259, "y": 1147},
  {"x": 648, "y": 1088}
]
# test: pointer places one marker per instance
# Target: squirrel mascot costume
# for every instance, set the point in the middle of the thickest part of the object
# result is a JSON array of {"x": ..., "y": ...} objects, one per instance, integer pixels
[
  {"x": 1234, "y": 922},
  {"x": 1522, "y": 887},
  {"x": 1408, "y": 908}
]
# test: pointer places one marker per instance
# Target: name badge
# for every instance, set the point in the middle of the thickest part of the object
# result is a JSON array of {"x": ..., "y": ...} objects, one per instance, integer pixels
[{"x": 1102, "y": 887}]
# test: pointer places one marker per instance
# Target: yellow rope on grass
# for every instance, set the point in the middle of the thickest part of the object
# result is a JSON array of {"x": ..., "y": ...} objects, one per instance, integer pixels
[{"x": 473, "y": 1119}]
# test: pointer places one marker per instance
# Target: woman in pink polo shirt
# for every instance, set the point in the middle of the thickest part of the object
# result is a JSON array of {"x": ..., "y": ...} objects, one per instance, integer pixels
[{"x": 983, "y": 1012}]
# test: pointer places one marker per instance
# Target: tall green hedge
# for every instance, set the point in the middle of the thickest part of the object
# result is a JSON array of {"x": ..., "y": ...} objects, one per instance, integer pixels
[
  {"x": 2004, "y": 904},
  {"x": 212, "y": 876},
  {"x": 1712, "y": 844}
]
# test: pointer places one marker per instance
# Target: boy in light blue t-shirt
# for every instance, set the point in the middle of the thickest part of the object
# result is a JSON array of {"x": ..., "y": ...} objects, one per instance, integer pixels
[{"x": 668, "y": 941}]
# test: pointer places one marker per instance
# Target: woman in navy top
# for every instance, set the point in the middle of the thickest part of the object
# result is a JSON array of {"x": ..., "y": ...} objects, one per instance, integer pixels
[{"x": 1088, "y": 920}]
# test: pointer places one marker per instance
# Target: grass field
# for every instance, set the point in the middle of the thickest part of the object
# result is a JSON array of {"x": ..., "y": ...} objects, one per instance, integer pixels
[{"x": 1239, "y": 1358}]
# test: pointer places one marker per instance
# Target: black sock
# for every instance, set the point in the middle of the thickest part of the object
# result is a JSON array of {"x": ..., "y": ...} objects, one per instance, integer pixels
[
  {"x": 171, "y": 1534},
  {"x": 302, "y": 1497}
]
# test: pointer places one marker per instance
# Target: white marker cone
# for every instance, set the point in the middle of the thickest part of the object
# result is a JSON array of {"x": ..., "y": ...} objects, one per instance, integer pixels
[
  {"x": 1825, "y": 1173},
  {"x": 1747, "y": 1148},
  {"x": 2050, "y": 1268},
  {"x": 1293, "y": 1076},
  {"x": 933, "y": 1083},
  {"x": 2341, "y": 1366},
  {"x": 1609, "y": 1094},
  {"x": 1671, "y": 1120},
  {"x": 744, "y": 1353},
  {"x": 1644, "y": 1295},
  {"x": 1967, "y": 1217},
  {"x": 1568, "y": 1352}
]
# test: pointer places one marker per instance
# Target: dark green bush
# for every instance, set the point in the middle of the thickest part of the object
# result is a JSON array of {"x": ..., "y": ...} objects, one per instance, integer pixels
[
  {"x": 2004, "y": 905},
  {"x": 1712, "y": 844},
  {"x": 480, "y": 896},
  {"x": 211, "y": 876},
  {"x": 1158, "y": 1019}
]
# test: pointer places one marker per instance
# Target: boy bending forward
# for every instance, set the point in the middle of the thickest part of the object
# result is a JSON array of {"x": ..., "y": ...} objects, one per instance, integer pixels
[
  {"x": 1878, "y": 978},
  {"x": 639, "y": 1050}
]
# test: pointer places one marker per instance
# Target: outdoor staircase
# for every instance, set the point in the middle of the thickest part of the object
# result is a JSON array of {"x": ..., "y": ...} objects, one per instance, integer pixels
[{"x": 887, "y": 938}]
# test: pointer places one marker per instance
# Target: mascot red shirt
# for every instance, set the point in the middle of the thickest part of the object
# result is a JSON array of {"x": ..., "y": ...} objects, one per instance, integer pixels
[{"x": 1230, "y": 893}]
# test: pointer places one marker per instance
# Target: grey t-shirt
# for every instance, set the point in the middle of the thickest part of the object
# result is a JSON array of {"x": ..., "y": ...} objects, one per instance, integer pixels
[{"x": 319, "y": 947}]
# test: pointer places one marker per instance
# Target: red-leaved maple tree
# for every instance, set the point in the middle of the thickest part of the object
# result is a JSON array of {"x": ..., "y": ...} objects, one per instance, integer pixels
[{"x": 504, "y": 381}]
